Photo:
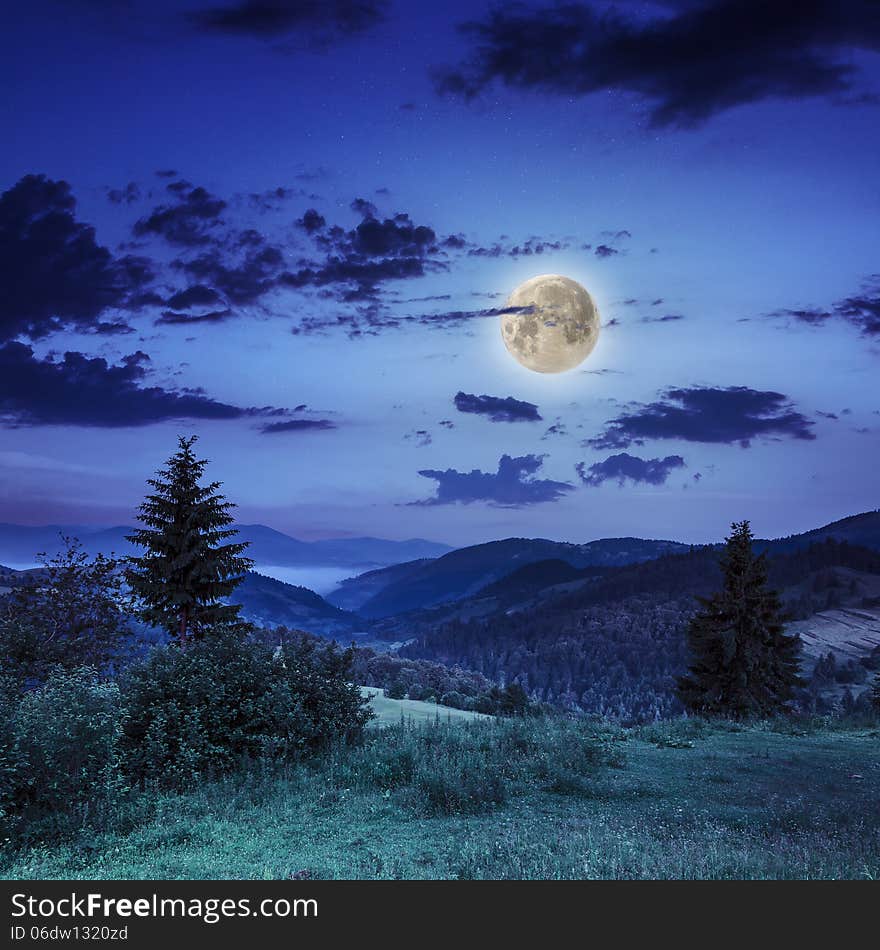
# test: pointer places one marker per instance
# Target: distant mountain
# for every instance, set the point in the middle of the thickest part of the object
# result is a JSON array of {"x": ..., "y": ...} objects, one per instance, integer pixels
[
  {"x": 272, "y": 603},
  {"x": 264, "y": 601},
  {"x": 353, "y": 592},
  {"x": 464, "y": 572},
  {"x": 19, "y": 544}
]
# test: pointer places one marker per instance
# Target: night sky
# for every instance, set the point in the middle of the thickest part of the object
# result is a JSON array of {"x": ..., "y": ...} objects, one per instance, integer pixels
[{"x": 289, "y": 226}]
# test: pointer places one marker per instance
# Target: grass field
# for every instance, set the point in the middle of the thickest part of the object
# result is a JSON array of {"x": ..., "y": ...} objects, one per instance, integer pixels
[
  {"x": 512, "y": 800},
  {"x": 391, "y": 711}
]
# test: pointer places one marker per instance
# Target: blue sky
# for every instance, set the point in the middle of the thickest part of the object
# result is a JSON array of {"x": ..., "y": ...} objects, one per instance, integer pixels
[{"x": 731, "y": 175}]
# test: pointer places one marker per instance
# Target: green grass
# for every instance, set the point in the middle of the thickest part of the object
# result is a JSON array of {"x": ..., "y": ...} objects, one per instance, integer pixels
[
  {"x": 501, "y": 799},
  {"x": 391, "y": 711}
]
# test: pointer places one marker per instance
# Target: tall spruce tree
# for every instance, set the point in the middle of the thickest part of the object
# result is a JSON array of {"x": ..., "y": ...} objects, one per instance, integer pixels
[
  {"x": 743, "y": 664},
  {"x": 187, "y": 568}
]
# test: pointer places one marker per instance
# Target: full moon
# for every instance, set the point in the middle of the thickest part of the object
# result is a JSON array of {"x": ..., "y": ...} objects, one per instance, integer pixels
[{"x": 551, "y": 324}]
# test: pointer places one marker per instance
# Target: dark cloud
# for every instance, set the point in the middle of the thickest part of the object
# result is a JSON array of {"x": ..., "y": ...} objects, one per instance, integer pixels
[
  {"x": 240, "y": 278},
  {"x": 87, "y": 391},
  {"x": 733, "y": 415},
  {"x": 312, "y": 221},
  {"x": 319, "y": 20},
  {"x": 534, "y": 246},
  {"x": 512, "y": 486},
  {"x": 666, "y": 318},
  {"x": 188, "y": 220},
  {"x": 112, "y": 327},
  {"x": 558, "y": 428},
  {"x": 196, "y": 296},
  {"x": 124, "y": 196},
  {"x": 420, "y": 437},
  {"x": 623, "y": 467},
  {"x": 273, "y": 198},
  {"x": 297, "y": 425},
  {"x": 604, "y": 250},
  {"x": 497, "y": 408},
  {"x": 362, "y": 258},
  {"x": 53, "y": 273},
  {"x": 687, "y": 64},
  {"x": 861, "y": 310},
  {"x": 171, "y": 318}
]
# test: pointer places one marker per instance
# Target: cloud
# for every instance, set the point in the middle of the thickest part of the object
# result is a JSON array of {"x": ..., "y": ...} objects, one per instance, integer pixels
[
  {"x": 666, "y": 318},
  {"x": 375, "y": 251},
  {"x": 196, "y": 296},
  {"x": 187, "y": 220},
  {"x": 87, "y": 391},
  {"x": 603, "y": 250},
  {"x": 319, "y": 20},
  {"x": 497, "y": 408},
  {"x": 53, "y": 273},
  {"x": 420, "y": 437},
  {"x": 124, "y": 196},
  {"x": 297, "y": 425},
  {"x": 241, "y": 279},
  {"x": 170, "y": 318},
  {"x": 623, "y": 467},
  {"x": 861, "y": 310},
  {"x": 312, "y": 221},
  {"x": 512, "y": 486},
  {"x": 534, "y": 246},
  {"x": 686, "y": 65},
  {"x": 736, "y": 414}
]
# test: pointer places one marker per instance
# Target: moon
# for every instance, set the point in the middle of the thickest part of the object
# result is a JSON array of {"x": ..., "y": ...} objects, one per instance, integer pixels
[{"x": 550, "y": 324}]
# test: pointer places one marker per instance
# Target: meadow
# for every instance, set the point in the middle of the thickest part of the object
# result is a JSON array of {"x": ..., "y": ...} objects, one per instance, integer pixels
[{"x": 541, "y": 798}]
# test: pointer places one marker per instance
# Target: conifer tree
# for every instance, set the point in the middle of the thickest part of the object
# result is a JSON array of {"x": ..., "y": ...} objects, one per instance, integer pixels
[
  {"x": 743, "y": 663},
  {"x": 188, "y": 566}
]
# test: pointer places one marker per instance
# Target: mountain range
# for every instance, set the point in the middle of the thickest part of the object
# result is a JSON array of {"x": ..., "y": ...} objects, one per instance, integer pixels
[{"x": 20, "y": 544}]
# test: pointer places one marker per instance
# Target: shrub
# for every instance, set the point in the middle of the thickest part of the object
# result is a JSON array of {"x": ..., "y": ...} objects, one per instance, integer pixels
[
  {"x": 319, "y": 678},
  {"x": 11, "y": 760},
  {"x": 201, "y": 710},
  {"x": 224, "y": 699},
  {"x": 66, "y": 740}
]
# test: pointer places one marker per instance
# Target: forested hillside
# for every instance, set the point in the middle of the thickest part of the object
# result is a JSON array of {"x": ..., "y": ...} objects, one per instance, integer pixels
[{"x": 616, "y": 644}]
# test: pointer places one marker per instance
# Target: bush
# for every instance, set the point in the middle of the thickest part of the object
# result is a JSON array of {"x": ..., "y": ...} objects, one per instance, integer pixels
[
  {"x": 202, "y": 710},
  {"x": 318, "y": 675},
  {"x": 224, "y": 699},
  {"x": 65, "y": 742},
  {"x": 11, "y": 761}
]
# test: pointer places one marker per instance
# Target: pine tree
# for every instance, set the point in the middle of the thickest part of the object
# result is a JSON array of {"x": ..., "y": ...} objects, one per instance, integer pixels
[
  {"x": 742, "y": 662},
  {"x": 186, "y": 569}
]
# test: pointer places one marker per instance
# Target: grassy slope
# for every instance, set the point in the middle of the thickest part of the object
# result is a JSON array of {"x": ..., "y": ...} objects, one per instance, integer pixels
[
  {"x": 692, "y": 802},
  {"x": 390, "y": 711}
]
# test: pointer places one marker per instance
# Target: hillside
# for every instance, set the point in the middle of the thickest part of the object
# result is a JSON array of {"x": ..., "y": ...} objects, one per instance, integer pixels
[
  {"x": 272, "y": 603},
  {"x": 391, "y": 712},
  {"x": 862, "y": 529},
  {"x": 613, "y": 644},
  {"x": 354, "y": 592},
  {"x": 679, "y": 800},
  {"x": 462, "y": 573}
]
